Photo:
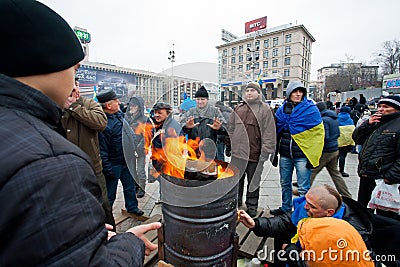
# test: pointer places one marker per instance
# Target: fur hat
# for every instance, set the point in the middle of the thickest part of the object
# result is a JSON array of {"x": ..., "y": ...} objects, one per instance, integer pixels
[
  {"x": 254, "y": 85},
  {"x": 106, "y": 96},
  {"x": 36, "y": 40},
  {"x": 202, "y": 92},
  {"x": 391, "y": 100},
  {"x": 295, "y": 85}
]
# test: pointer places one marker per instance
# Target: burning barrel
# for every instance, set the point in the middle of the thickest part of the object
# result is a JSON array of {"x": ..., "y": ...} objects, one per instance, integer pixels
[{"x": 199, "y": 220}]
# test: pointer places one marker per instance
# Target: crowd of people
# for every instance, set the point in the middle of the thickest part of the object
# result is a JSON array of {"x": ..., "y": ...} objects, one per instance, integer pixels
[{"x": 64, "y": 155}]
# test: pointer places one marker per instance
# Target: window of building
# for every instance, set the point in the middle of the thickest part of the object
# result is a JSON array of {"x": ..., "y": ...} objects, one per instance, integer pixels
[
  {"x": 241, "y": 58},
  {"x": 275, "y": 41},
  {"x": 265, "y": 54},
  {"x": 248, "y": 66},
  {"x": 225, "y": 52},
  {"x": 286, "y": 72},
  {"x": 224, "y": 71},
  {"x": 265, "y": 64},
  {"x": 275, "y": 71},
  {"x": 224, "y": 61},
  {"x": 233, "y": 51},
  {"x": 248, "y": 57},
  {"x": 249, "y": 46},
  {"x": 233, "y": 60},
  {"x": 257, "y": 43},
  {"x": 275, "y": 63},
  {"x": 287, "y": 61},
  {"x": 240, "y": 49},
  {"x": 257, "y": 65},
  {"x": 288, "y": 38},
  {"x": 275, "y": 52},
  {"x": 256, "y": 55},
  {"x": 287, "y": 50},
  {"x": 240, "y": 68},
  {"x": 266, "y": 43}
]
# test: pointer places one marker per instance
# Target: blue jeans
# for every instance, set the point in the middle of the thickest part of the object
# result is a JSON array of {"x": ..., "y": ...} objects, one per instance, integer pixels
[
  {"x": 122, "y": 173},
  {"x": 286, "y": 167}
]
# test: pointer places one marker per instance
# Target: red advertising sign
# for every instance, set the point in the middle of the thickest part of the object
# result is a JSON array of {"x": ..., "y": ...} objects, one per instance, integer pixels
[{"x": 255, "y": 25}]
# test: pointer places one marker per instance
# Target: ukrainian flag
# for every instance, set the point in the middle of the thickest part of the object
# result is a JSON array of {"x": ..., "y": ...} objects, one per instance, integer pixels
[{"x": 306, "y": 128}]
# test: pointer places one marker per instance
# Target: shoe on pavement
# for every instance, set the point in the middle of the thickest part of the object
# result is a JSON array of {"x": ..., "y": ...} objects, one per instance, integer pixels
[
  {"x": 276, "y": 212},
  {"x": 137, "y": 212},
  {"x": 140, "y": 193},
  {"x": 252, "y": 212},
  {"x": 345, "y": 174}
]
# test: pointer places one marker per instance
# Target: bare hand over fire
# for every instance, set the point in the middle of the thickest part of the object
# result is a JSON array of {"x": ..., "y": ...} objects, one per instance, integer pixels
[
  {"x": 216, "y": 124},
  {"x": 140, "y": 232},
  {"x": 190, "y": 123},
  {"x": 246, "y": 219}
]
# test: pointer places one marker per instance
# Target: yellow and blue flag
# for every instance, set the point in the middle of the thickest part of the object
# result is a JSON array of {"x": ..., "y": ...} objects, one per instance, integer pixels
[
  {"x": 259, "y": 78},
  {"x": 306, "y": 128}
]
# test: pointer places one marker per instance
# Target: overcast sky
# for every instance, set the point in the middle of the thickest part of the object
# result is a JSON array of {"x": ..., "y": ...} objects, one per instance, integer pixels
[{"x": 139, "y": 34}]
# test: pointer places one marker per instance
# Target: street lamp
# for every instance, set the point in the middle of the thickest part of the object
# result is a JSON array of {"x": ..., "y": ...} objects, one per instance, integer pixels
[
  {"x": 253, "y": 58},
  {"x": 172, "y": 59}
]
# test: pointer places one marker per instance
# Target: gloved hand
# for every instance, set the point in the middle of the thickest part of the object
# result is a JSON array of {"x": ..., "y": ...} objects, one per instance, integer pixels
[{"x": 264, "y": 158}]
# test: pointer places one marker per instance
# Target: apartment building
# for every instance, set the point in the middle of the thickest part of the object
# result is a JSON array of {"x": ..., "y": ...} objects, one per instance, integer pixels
[
  {"x": 346, "y": 77},
  {"x": 273, "y": 56}
]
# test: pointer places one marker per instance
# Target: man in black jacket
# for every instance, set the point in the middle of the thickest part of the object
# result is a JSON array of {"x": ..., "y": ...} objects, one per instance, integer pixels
[
  {"x": 51, "y": 213},
  {"x": 380, "y": 156},
  {"x": 112, "y": 152}
]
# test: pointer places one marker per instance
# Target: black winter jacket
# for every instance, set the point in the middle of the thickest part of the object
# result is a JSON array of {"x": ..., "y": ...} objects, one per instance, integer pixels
[
  {"x": 332, "y": 132},
  {"x": 380, "y": 155},
  {"x": 51, "y": 213}
]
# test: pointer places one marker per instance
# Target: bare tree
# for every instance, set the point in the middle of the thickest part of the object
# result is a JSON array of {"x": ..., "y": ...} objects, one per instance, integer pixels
[{"x": 389, "y": 57}]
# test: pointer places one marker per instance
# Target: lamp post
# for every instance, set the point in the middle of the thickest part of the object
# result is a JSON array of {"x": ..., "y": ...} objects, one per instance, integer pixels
[
  {"x": 253, "y": 58},
  {"x": 172, "y": 59}
]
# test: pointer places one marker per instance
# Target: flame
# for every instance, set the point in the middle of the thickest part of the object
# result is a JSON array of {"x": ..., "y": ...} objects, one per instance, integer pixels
[{"x": 175, "y": 152}]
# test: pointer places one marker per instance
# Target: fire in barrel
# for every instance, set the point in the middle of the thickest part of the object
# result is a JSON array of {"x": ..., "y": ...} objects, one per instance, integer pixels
[{"x": 199, "y": 206}]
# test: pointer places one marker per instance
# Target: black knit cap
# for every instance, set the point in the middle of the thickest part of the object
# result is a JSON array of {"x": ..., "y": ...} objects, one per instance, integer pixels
[
  {"x": 35, "y": 40},
  {"x": 202, "y": 92},
  {"x": 391, "y": 100},
  {"x": 106, "y": 96}
]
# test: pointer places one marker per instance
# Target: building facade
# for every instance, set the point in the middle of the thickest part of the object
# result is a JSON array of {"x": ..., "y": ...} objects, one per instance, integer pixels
[
  {"x": 346, "y": 77},
  {"x": 152, "y": 87},
  {"x": 274, "y": 57}
]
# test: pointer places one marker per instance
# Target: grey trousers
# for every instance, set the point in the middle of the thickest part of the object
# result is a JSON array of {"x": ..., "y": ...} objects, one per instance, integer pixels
[{"x": 330, "y": 161}]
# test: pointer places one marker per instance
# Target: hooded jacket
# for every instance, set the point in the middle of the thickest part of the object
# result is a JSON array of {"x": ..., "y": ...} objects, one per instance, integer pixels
[{"x": 138, "y": 124}]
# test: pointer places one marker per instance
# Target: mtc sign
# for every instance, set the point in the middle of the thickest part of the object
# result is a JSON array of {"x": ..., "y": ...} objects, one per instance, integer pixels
[{"x": 255, "y": 25}]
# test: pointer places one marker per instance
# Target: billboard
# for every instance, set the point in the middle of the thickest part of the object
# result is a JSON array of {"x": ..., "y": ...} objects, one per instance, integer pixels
[
  {"x": 91, "y": 80},
  {"x": 255, "y": 25}
]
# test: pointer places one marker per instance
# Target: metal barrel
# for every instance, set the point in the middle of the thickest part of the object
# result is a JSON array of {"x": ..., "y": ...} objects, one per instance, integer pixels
[{"x": 200, "y": 235}]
